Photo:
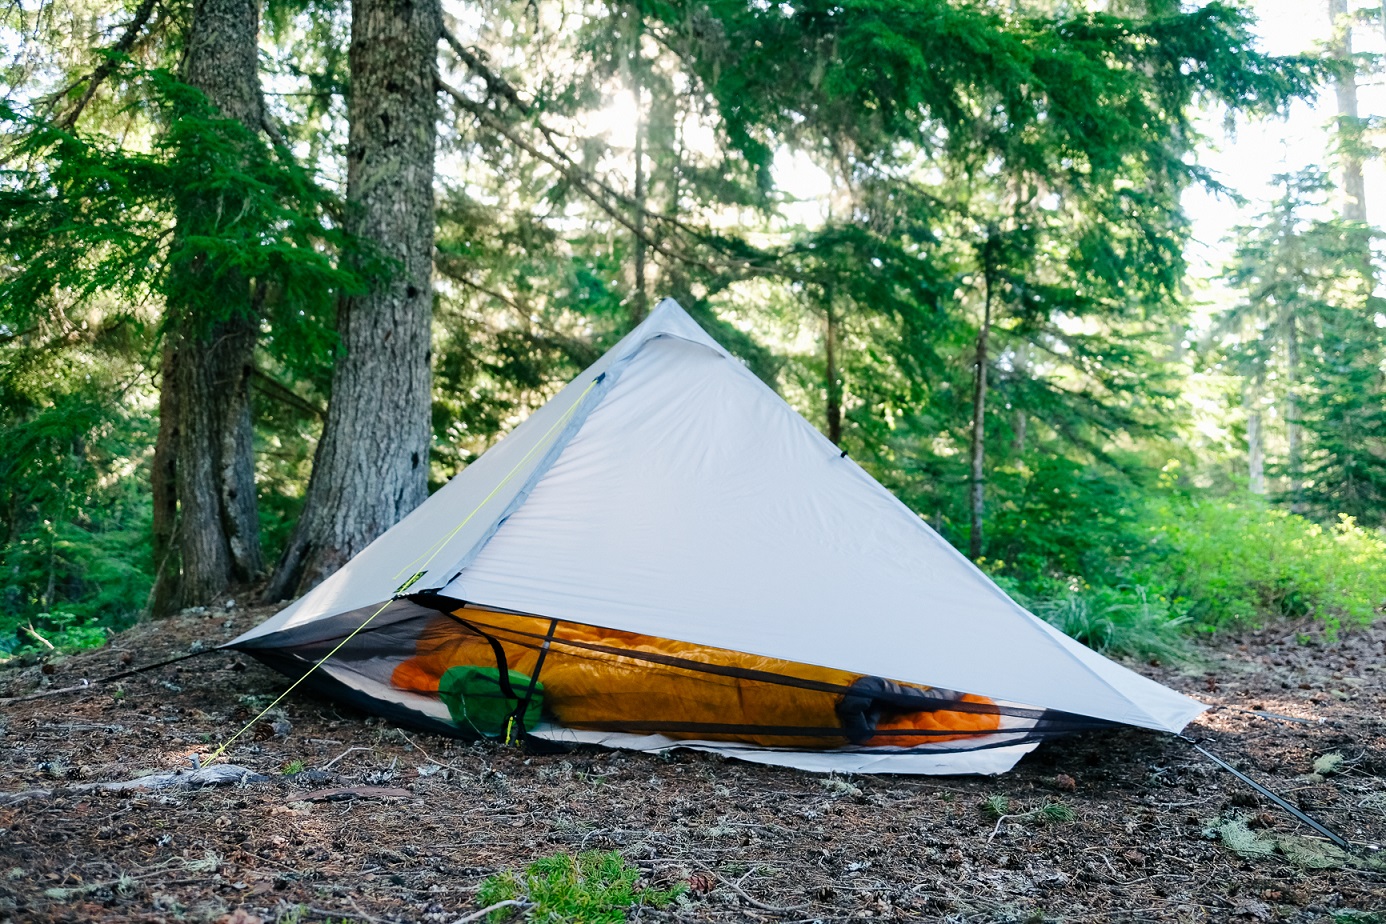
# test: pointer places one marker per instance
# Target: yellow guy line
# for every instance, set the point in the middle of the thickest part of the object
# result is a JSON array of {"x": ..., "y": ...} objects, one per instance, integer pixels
[
  {"x": 442, "y": 543},
  {"x": 567, "y": 415},
  {"x": 280, "y": 698}
]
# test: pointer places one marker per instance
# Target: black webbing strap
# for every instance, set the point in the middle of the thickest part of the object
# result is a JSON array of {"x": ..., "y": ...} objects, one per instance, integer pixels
[
  {"x": 1318, "y": 826},
  {"x": 502, "y": 663},
  {"x": 517, "y": 718},
  {"x": 921, "y": 704}
]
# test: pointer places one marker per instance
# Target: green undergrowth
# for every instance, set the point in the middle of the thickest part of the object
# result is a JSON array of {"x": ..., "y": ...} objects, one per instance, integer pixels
[
  {"x": 997, "y": 807},
  {"x": 591, "y": 888},
  {"x": 1185, "y": 563},
  {"x": 1227, "y": 562},
  {"x": 1119, "y": 620},
  {"x": 46, "y": 633}
]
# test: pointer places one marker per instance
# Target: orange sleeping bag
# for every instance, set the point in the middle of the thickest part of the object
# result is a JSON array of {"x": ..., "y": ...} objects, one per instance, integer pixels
[{"x": 605, "y": 679}]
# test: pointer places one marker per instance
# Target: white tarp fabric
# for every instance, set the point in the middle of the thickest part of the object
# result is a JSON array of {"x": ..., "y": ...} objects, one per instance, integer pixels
[{"x": 667, "y": 491}]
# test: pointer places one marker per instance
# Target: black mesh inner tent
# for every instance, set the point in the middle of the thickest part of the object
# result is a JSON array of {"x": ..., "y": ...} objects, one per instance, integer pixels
[{"x": 601, "y": 680}]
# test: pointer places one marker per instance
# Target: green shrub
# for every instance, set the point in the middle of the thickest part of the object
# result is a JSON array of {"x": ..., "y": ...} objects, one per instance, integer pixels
[
  {"x": 1059, "y": 518},
  {"x": 1238, "y": 561},
  {"x": 592, "y": 888},
  {"x": 61, "y": 631}
]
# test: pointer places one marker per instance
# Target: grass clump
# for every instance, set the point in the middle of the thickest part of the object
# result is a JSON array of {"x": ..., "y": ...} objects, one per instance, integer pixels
[
  {"x": 1003, "y": 809},
  {"x": 591, "y": 888},
  {"x": 1124, "y": 621}
]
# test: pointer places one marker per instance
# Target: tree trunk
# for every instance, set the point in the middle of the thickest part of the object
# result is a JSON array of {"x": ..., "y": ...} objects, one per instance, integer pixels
[
  {"x": 979, "y": 409},
  {"x": 371, "y": 466},
  {"x": 1255, "y": 446},
  {"x": 1354, "y": 188},
  {"x": 831, "y": 377},
  {"x": 1292, "y": 429},
  {"x": 640, "y": 305},
  {"x": 1021, "y": 420},
  {"x": 206, "y": 529},
  {"x": 163, "y": 596}
]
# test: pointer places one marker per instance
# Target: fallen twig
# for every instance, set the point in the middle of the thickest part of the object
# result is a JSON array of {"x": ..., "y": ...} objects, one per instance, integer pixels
[
  {"x": 478, "y": 915},
  {"x": 5, "y": 701},
  {"x": 216, "y": 775},
  {"x": 1001, "y": 821},
  {"x": 773, "y": 909},
  {"x": 328, "y": 765}
]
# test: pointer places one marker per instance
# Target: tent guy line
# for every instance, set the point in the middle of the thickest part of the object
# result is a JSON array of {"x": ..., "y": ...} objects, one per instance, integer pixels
[
  {"x": 197, "y": 761},
  {"x": 1337, "y": 839},
  {"x": 401, "y": 590}
]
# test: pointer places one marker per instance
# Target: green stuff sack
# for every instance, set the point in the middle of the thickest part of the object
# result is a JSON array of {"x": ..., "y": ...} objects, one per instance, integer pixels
[{"x": 476, "y": 700}]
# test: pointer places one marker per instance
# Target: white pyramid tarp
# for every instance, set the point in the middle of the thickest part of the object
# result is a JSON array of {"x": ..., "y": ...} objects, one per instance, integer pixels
[{"x": 667, "y": 491}]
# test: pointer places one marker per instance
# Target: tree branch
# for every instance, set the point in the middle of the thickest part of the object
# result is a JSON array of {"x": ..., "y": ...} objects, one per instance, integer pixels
[
  {"x": 497, "y": 84},
  {"x": 584, "y": 180},
  {"x": 122, "y": 47},
  {"x": 276, "y": 390},
  {"x": 596, "y": 191}
]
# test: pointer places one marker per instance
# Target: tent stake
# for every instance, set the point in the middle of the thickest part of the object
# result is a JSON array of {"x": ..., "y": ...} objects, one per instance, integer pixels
[{"x": 1337, "y": 839}]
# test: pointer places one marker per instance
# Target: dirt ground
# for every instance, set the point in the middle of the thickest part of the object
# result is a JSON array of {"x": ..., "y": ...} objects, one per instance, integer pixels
[{"x": 1158, "y": 834}]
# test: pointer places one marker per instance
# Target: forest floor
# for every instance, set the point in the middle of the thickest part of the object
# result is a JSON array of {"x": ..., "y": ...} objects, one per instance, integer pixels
[{"x": 380, "y": 825}]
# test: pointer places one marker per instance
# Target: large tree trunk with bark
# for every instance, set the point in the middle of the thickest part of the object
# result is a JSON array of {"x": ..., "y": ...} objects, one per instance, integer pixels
[
  {"x": 206, "y": 529},
  {"x": 1354, "y": 188},
  {"x": 371, "y": 466}
]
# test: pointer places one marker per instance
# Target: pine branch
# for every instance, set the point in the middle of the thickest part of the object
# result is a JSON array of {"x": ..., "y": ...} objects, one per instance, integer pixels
[
  {"x": 276, "y": 390},
  {"x": 585, "y": 181},
  {"x": 495, "y": 83},
  {"x": 104, "y": 70},
  {"x": 601, "y": 195}
]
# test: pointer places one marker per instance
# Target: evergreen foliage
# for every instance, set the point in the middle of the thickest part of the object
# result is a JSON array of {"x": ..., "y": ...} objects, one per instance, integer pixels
[{"x": 999, "y": 181}]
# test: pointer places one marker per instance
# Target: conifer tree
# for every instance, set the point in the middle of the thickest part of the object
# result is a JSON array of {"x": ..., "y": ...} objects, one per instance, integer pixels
[{"x": 206, "y": 528}]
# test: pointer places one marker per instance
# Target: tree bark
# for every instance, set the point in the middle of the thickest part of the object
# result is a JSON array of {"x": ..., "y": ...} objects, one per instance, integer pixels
[
  {"x": 831, "y": 377},
  {"x": 979, "y": 411},
  {"x": 1354, "y": 188},
  {"x": 371, "y": 466},
  {"x": 206, "y": 528},
  {"x": 1255, "y": 445},
  {"x": 1021, "y": 420},
  {"x": 1292, "y": 428},
  {"x": 640, "y": 305}
]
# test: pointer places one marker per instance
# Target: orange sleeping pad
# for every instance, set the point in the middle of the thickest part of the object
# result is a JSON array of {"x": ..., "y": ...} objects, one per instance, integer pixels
[{"x": 605, "y": 679}]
